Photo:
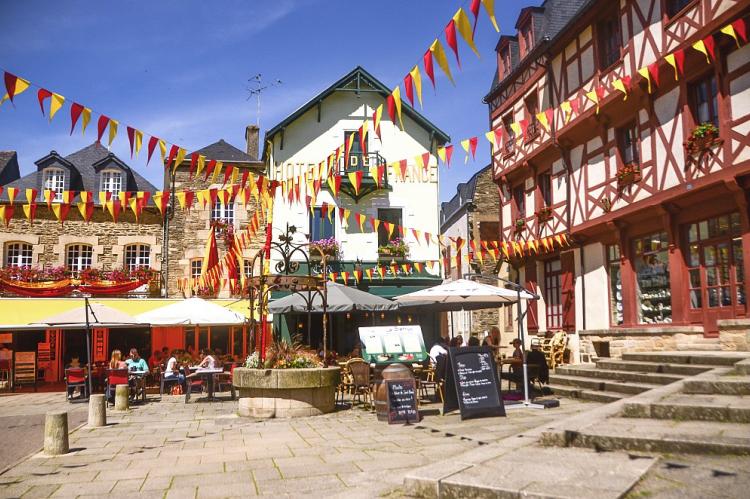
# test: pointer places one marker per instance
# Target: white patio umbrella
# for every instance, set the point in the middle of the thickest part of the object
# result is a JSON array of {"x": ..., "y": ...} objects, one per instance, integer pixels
[{"x": 192, "y": 311}]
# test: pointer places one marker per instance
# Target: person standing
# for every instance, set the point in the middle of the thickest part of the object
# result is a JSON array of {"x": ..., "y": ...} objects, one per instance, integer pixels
[{"x": 492, "y": 340}]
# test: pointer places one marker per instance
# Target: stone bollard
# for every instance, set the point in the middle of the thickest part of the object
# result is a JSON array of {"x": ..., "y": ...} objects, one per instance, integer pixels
[
  {"x": 122, "y": 392},
  {"x": 56, "y": 433},
  {"x": 97, "y": 410}
]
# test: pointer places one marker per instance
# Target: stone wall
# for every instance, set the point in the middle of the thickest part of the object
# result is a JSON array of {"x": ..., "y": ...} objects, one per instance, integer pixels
[
  {"x": 647, "y": 340},
  {"x": 734, "y": 334}
]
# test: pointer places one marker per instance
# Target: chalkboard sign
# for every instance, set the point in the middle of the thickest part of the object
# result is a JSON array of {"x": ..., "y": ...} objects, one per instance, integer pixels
[
  {"x": 402, "y": 401},
  {"x": 472, "y": 384}
]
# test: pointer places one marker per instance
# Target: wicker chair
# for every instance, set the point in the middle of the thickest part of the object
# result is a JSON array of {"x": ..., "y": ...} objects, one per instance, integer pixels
[{"x": 361, "y": 386}]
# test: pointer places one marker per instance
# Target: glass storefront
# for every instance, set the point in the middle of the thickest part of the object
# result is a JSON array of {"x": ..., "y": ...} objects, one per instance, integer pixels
[
  {"x": 615, "y": 285},
  {"x": 651, "y": 260}
]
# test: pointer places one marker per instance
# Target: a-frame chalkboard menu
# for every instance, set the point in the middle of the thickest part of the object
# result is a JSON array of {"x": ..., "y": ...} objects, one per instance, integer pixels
[
  {"x": 402, "y": 401},
  {"x": 472, "y": 384}
]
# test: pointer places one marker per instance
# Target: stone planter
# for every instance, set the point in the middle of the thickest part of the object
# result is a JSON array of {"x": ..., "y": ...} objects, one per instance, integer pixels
[{"x": 286, "y": 393}]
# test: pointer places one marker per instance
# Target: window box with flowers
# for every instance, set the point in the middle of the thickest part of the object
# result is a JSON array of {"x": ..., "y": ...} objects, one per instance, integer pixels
[
  {"x": 628, "y": 174},
  {"x": 329, "y": 247},
  {"x": 225, "y": 230},
  {"x": 543, "y": 215},
  {"x": 702, "y": 138},
  {"x": 519, "y": 225},
  {"x": 396, "y": 249}
]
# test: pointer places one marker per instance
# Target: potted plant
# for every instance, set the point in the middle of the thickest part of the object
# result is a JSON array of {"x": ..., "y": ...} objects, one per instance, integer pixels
[
  {"x": 520, "y": 224},
  {"x": 396, "y": 248},
  {"x": 702, "y": 137},
  {"x": 543, "y": 214},
  {"x": 329, "y": 247},
  {"x": 627, "y": 174},
  {"x": 290, "y": 382}
]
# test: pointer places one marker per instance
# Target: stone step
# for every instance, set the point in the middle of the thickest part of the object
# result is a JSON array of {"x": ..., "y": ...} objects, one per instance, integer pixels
[
  {"x": 590, "y": 395},
  {"x": 651, "y": 367},
  {"x": 684, "y": 407},
  {"x": 691, "y": 357},
  {"x": 637, "y": 377},
  {"x": 654, "y": 435},
  {"x": 743, "y": 367},
  {"x": 597, "y": 384},
  {"x": 724, "y": 385}
]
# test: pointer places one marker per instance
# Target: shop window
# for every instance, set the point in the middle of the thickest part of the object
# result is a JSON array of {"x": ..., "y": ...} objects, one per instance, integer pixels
[
  {"x": 615, "y": 285},
  {"x": 54, "y": 179},
  {"x": 652, "y": 279},
  {"x": 609, "y": 41},
  {"x": 545, "y": 189},
  {"x": 320, "y": 226},
  {"x": 137, "y": 256},
  {"x": 79, "y": 257},
  {"x": 675, "y": 6},
  {"x": 627, "y": 143},
  {"x": 715, "y": 262},
  {"x": 553, "y": 294},
  {"x": 704, "y": 101},
  {"x": 390, "y": 215},
  {"x": 18, "y": 255},
  {"x": 111, "y": 182}
]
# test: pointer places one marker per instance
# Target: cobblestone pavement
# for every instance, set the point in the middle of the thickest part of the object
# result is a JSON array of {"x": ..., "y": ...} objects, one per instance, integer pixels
[
  {"x": 22, "y": 422},
  {"x": 169, "y": 449}
]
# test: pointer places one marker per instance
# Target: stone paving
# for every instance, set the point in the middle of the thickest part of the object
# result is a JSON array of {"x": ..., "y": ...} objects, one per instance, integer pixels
[{"x": 169, "y": 449}]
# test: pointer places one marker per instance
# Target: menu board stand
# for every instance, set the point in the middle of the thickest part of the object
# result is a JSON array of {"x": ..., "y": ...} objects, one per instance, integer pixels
[
  {"x": 471, "y": 383},
  {"x": 402, "y": 401}
]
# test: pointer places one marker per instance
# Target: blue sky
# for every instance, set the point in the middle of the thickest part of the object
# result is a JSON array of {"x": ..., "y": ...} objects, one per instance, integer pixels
[{"x": 179, "y": 69}]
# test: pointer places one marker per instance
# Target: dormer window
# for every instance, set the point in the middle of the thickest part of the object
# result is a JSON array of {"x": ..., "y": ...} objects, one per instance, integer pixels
[
  {"x": 54, "y": 179},
  {"x": 505, "y": 58},
  {"x": 527, "y": 38},
  {"x": 111, "y": 181}
]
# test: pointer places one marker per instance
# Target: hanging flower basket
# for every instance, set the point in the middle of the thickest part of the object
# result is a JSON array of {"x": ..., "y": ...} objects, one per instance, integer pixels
[
  {"x": 702, "y": 138},
  {"x": 544, "y": 215},
  {"x": 628, "y": 174}
]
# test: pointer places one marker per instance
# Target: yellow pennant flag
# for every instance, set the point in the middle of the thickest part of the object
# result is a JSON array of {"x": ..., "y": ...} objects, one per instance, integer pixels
[
  {"x": 619, "y": 85},
  {"x": 416, "y": 77},
  {"x": 516, "y": 127},
  {"x": 21, "y": 86},
  {"x": 112, "y": 130},
  {"x": 378, "y": 117},
  {"x": 491, "y": 138},
  {"x": 179, "y": 158},
  {"x": 700, "y": 46},
  {"x": 397, "y": 100},
  {"x": 439, "y": 54},
  {"x": 593, "y": 97},
  {"x": 567, "y": 110},
  {"x": 672, "y": 62},
  {"x": 138, "y": 135},
  {"x": 542, "y": 119},
  {"x": 163, "y": 150},
  {"x": 441, "y": 154},
  {"x": 464, "y": 27},
  {"x": 729, "y": 31},
  {"x": 644, "y": 72},
  {"x": 489, "y": 6},
  {"x": 55, "y": 104},
  {"x": 465, "y": 144},
  {"x": 201, "y": 165},
  {"x": 419, "y": 161},
  {"x": 86, "y": 119},
  {"x": 219, "y": 167}
]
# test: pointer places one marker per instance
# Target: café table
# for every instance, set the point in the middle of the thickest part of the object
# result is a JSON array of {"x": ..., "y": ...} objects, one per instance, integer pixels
[{"x": 207, "y": 375}]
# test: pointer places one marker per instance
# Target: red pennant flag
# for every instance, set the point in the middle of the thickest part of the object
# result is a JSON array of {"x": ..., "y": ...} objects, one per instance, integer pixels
[
  {"x": 391, "y": 106},
  {"x": 408, "y": 86},
  {"x": 429, "y": 67},
  {"x": 7, "y": 210},
  {"x": 101, "y": 125},
  {"x": 193, "y": 163},
  {"x": 131, "y": 138},
  {"x": 172, "y": 153},
  {"x": 426, "y": 160},
  {"x": 475, "y": 11},
  {"x": 402, "y": 169},
  {"x": 740, "y": 28},
  {"x": 227, "y": 174},
  {"x": 210, "y": 167},
  {"x": 575, "y": 104},
  {"x": 41, "y": 96},
  {"x": 653, "y": 70},
  {"x": 710, "y": 46},
  {"x": 151, "y": 145},
  {"x": 679, "y": 59},
  {"x": 243, "y": 181},
  {"x": 524, "y": 124},
  {"x": 75, "y": 113},
  {"x": 448, "y": 154},
  {"x": 450, "y": 37},
  {"x": 10, "y": 85},
  {"x": 473, "y": 147}
]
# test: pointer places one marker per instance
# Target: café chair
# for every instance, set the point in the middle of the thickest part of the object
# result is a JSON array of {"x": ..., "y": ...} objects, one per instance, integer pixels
[
  {"x": 166, "y": 382},
  {"x": 116, "y": 377},
  {"x": 361, "y": 386},
  {"x": 75, "y": 377}
]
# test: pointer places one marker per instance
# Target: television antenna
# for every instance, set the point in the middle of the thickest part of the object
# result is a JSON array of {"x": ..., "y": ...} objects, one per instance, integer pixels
[{"x": 256, "y": 88}]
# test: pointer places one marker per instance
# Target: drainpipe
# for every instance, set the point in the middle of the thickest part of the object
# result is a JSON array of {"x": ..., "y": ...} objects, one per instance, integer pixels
[{"x": 165, "y": 236}]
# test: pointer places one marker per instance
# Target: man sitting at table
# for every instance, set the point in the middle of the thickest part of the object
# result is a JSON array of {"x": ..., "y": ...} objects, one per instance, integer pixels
[
  {"x": 135, "y": 362},
  {"x": 516, "y": 364}
]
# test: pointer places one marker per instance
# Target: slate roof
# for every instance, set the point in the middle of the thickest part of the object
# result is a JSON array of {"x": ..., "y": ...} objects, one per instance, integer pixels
[
  {"x": 464, "y": 195},
  {"x": 84, "y": 176},
  {"x": 8, "y": 167},
  {"x": 224, "y": 151}
]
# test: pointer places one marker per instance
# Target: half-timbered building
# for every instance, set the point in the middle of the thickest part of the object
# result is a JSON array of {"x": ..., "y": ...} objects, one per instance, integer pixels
[{"x": 643, "y": 160}]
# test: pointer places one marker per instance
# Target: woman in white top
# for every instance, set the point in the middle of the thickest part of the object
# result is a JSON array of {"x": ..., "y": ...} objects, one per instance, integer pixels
[
  {"x": 207, "y": 360},
  {"x": 172, "y": 371}
]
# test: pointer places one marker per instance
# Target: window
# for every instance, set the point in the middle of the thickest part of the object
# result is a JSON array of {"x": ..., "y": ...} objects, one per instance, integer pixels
[
  {"x": 627, "y": 142},
  {"x": 320, "y": 226},
  {"x": 111, "y": 182},
  {"x": 196, "y": 266},
  {"x": 675, "y": 6},
  {"x": 18, "y": 255},
  {"x": 390, "y": 215},
  {"x": 511, "y": 142},
  {"x": 79, "y": 257},
  {"x": 715, "y": 265},
  {"x": 609, "y": 40},
  {"x": 137, "y": 256},
  {"x": 506, "y": 61},
  {"x": 553, "y": 294},
  {"x": 545, "y": 189},
  {"x": 704, "y": 102},
  {"x": 615, "y": 285},
  {"x": 223, "y": 212},
  {"x": 54, "y": 179},
  {"x": 247, "y": 267},
  {"x": 532, "y": 108},
  {"x": 527, "y": 38},
  {"x": 652, "y": 279},
  {"x": 519, "y": 199}
]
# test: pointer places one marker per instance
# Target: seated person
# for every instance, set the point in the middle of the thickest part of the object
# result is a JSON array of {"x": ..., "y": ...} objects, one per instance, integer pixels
[
  {"x": 438, "y": 349},
  {"x": 135, "y": 362},
  {"x": 473, "y": 341},
  {"x": 356, "y": 351},
  {"x": 492, "y": 340},
  {"x": 172, "y": 370},
  {"x": 208, "y": 361},
  {"x": 537, "y": 363},
  {"x": 116, "y": 362},
  {"x": 155, "y": 358},
  {"x": 516, "y": 363}
]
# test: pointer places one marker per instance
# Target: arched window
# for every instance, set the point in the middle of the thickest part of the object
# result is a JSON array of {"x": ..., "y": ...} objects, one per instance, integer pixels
[
  {"x": 54, "y": 179},
  {"x": 111, "y": 181},
  {"x": 79, "y": 257},
  {"x": 18, "y": 255},
  {"x": 137, "y": 256}
]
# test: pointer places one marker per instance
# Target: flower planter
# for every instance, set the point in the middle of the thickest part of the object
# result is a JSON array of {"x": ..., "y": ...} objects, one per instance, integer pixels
[
  {"x": 286, "y": 393},
  {"x": 628, "y": 179},
  {"x": 697, "y": 145},
  {"x": 543, "y": 215}
]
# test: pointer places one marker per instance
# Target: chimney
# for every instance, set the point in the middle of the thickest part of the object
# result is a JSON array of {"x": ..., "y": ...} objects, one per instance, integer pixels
[{"x": 251, "y": 137}]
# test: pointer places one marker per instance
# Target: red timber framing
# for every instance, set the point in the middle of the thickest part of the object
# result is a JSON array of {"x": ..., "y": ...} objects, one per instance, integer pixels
[{"x": 674, "y": 187}]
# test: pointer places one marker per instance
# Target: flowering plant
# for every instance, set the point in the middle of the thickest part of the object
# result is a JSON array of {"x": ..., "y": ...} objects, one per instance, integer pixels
[
  {"x": 702, "y": 137},
  {"x": 544, "y": 214},
  {"x": 33, "y": 274},
  {"x": 225, "y": 230},
  {"x": 395, "y": 247},
  {"x": 628, "y": 172},
  {"x": 283, "y": 354},
  {"x": 329, "y": 246}
]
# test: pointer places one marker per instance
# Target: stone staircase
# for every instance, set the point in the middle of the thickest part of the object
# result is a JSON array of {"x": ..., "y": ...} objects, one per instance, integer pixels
[{"x": 610, "y": 380}]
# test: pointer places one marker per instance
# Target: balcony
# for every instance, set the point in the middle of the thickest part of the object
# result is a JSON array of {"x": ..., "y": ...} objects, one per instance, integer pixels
[{"x": 358, "y": 162}]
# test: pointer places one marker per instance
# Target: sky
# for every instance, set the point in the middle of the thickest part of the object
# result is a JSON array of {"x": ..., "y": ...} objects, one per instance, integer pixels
[{"x": 179, "y": 69}]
